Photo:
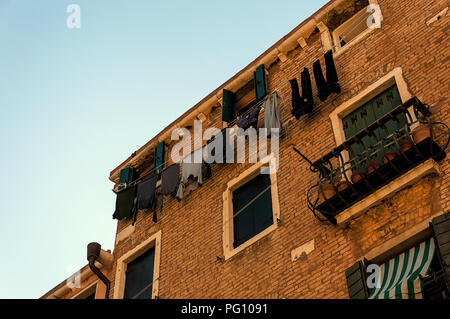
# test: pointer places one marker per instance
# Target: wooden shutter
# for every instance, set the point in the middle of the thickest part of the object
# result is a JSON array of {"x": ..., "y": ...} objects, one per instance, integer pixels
[
  {"x": 139, "y": 276},
  {"x": 126, "y": 177},
  {"x": 368, "y": 113},
  {"x": 228, "y": 106},
  {"x": 255, "y": 217},
  {"x": 441, "y": 231},
  {"x": 259, "y": 78},
  {"x": 356, "y": 281},
  {"x": 158, "y": 162}
]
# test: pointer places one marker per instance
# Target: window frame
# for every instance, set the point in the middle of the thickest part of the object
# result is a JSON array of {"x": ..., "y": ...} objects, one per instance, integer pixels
[
  {"x": 395, "y": 77},
  {"x": 123, "y": 261},
  {"x": 246, "y": 176},
  {"x": 338, "y": 49}
]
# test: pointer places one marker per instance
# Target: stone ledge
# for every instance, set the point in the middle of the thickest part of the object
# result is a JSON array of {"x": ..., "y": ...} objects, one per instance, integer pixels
[{"x": 426, "y": 168}]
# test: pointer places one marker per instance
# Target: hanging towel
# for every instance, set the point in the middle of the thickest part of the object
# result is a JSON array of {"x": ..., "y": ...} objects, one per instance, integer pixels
[
  {"x": 146, "y": 195},
  {"x": 331, "y": 85},
  {"x": 271, "y": 114},
  {"x": 170, "y": 179},
  {"x": 125, "y": 203}
]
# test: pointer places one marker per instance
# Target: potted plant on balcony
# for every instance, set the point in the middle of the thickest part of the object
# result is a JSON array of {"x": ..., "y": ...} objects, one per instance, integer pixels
[
  {"x": 389, "y": 156},
  {"x": 421, "y": 133},
  {"x": 326, "y": 191},
  {"x": 405, "y": 145},
  {"x": 372, "y": 166},
  {"x": 358, "y": 173},
  {"x": 342, "y": 185}
]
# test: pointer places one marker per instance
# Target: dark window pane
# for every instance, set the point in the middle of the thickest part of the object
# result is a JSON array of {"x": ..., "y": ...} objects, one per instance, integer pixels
[
  {"x": 139, "y": 275},
  {"x": 252, "y": 216}
]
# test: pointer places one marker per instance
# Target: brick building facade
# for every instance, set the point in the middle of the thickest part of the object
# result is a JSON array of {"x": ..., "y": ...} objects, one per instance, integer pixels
[{"x": 298, "y": 256}]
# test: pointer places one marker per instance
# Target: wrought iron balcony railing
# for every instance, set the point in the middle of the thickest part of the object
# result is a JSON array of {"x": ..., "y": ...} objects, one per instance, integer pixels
[{"x": 345, "y": 178}]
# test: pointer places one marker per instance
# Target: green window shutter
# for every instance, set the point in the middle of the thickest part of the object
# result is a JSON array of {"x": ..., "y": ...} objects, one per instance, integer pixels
[
  {"x": 251, "y": 216},
  {"x": 126, "y": 177},
  {"x": 356, "y": 281},
  {"x": 441, "y": 230},
  {"x": 139, "y": 276},
  {"x": 368, "y": 113},
  {"x": 158, "y": 162},
  {"x": 259, "y": 78},
  {"x": 228, "y": 106}
]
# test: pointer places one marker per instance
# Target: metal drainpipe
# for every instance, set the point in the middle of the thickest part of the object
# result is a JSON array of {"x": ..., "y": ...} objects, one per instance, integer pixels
[{"x": 93, "y": 251}]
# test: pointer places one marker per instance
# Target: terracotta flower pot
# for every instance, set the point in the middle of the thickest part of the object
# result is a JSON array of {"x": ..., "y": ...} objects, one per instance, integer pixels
[
  {"x": 421, "y": 133},
  {"x": 328, "y": 192},
  {"x": 342, "y": 185},
  {"x": 389, "y": 156},
  {"x": 357, "y": 176},
  {"x": 405, "y": 145},
  {"x": 373, "y": 166}
]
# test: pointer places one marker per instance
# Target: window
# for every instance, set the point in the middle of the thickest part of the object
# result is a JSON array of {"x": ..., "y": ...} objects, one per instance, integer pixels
[
  {"x": 351, "y": 29},
  {"x": 368, "y": 113},
  {"x": 139, "y": 276},
  {"x": 412, "y": 265},
  {"x": 252, "y": 209},
  {"x": 250, "y": 206},
  {"x": 137, "y": 273}
]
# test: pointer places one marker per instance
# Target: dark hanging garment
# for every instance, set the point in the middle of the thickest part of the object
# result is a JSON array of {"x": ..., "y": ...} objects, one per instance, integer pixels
[
  {"x": 146, "y": 195},
  {"x": 331, "y": 85},
  {"x": 307, "y": 95},
  {"x": 332, "y": 78},
  {"x": 211, "y": 151},
  {"x": 321, "y": 84},
  {"x": 170, "y": 179},
  {"x": 297, "y": 109},
  {"x": 125, "y": 203},
  {"x": 206, "y": 170},
  {"x": 250, "y": 119}
]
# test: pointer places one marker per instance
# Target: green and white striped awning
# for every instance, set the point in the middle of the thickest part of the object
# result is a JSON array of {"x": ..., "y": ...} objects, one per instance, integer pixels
[{"x": 399, "y": 277}]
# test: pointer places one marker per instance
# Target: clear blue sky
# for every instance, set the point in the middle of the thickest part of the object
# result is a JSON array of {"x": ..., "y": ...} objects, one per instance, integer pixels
[{"x": 75, "y": 103}]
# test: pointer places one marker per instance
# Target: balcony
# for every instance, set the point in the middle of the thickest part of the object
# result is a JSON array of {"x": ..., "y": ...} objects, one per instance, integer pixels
[{"x": 346, "y": 178}]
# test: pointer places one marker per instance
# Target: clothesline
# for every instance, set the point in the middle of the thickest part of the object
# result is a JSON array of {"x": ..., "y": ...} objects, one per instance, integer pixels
[
  {"x": 151, "y": 173},
  {"x": 258, "y": 104}
]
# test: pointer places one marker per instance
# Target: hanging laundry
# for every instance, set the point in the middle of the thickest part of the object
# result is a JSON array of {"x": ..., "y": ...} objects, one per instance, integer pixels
[
  {"x": 146, "y": 195},
  {"x": 332, "y": 77},
  {"x": 302, "y": 104},
  {"x": 170, "y": 178},
  {"x": 250, "y": 120},
  {"x": 189, "y": 170},
  {"x": 271, "y": 114},
  {"x": 125, "y": 203},
  {"x": 297, "y": 106},
  {"x": 331, "y": 85},
  {"x": 211, "y": 148}
]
